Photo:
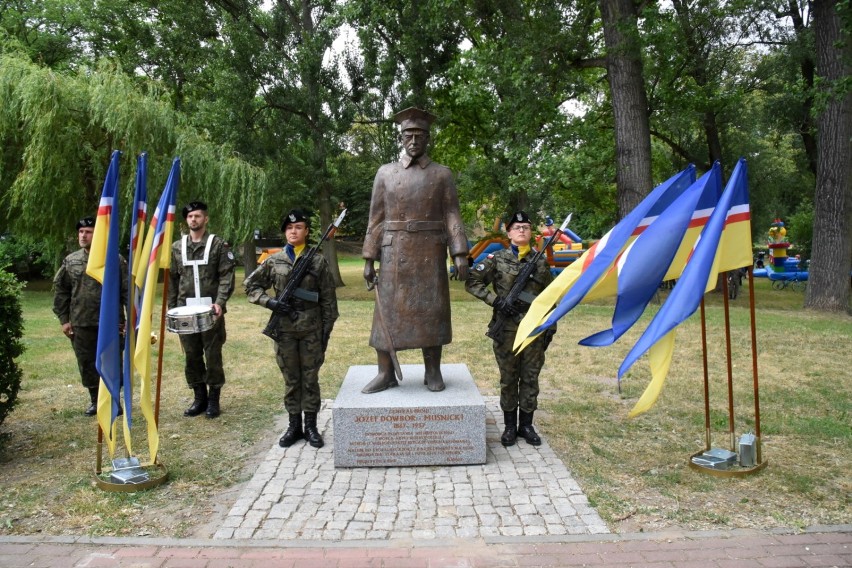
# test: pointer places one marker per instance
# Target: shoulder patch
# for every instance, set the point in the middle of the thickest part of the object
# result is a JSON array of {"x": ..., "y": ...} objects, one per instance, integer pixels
[
  {"x": 490, "y": 255},
  {"x": 479, "y": 267},
  {"x": 230, "y": 255}
]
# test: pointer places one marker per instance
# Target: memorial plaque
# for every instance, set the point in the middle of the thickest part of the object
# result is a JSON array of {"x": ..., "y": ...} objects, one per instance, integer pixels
[{"x": 409, "y": 425}]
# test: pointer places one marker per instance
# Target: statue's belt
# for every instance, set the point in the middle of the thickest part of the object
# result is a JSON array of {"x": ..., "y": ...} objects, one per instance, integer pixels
[{"x": 414, "y": 226}]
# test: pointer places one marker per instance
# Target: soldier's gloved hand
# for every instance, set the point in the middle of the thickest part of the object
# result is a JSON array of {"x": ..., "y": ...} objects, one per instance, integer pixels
[
  {"x": 504, "y": 307},
  {"x": 326, "y": 335},
  {"x": 279, "y": 308},
  {"x": 548, "y": 337}
]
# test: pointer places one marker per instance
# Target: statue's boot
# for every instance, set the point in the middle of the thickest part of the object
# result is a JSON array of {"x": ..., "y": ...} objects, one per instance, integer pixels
[
  {"x": 385, "y": 379},
  {"x": 432, "y": 359}
]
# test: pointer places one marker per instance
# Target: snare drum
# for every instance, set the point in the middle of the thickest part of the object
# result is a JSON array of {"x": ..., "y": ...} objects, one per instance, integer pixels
[{"x": 190, "y": 319}]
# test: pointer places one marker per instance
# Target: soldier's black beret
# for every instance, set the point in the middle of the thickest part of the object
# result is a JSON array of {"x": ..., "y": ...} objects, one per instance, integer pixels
[
  {"x": 295, "y": 216},
  {"x": 194, "y": 206},
  {"x": 518, "y": 217},
  {"x": 85, "y": 222}
]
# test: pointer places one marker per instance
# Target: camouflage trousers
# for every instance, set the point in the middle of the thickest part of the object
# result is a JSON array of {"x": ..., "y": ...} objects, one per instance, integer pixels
[
  {"x": 518, "y": 373},
  {"x": 85, "y": 344},
  {"x": 201, "y": 347},
  {"x": 299, "y": 355}
]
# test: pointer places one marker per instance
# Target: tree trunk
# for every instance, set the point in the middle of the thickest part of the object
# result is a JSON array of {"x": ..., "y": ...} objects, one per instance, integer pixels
[
  {"x": 629, "y": 104},
  {"x": 829, "y": 285}
]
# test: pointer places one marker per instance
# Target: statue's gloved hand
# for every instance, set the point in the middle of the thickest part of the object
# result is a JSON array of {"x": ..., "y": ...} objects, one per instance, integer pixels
[
  {"x": 504, "y": 307},
  {"x": 370, "y": 272},
  {"x": 461, "y": 264}
]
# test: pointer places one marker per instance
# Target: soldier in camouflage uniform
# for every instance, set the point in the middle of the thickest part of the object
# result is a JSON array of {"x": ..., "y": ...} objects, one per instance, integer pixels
[
  {"x": 77, "y": 304},
  {"x": 300, "y": 349},
  {"x": 213, "y": 260},
  {"x": 518, "y": 373}
]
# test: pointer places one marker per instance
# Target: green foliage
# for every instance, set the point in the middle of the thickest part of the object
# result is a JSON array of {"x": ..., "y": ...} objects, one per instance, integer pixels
[
  {"x": 66, "y": 124},
  {"x": 25, "y": 257},
  {"x": 800, "y": 230},
  {"x": 12, "y": 329}
]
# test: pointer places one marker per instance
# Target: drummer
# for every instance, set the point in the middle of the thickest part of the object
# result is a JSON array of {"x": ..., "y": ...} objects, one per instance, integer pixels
[{"x": 202, "y": 274}]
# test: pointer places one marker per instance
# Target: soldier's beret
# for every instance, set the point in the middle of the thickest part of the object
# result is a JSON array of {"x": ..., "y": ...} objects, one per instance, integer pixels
[
  {"x": 413, "y": 117},
  {"x": 85, "y": 222},
  {"x": 518, "y": 217},
  {"x": 295, "y": 216},
  {"x": 194, "y": 206}
]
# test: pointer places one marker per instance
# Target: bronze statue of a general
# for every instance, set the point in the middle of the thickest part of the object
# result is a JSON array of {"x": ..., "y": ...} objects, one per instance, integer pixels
[{"x": 414, "y": 220}]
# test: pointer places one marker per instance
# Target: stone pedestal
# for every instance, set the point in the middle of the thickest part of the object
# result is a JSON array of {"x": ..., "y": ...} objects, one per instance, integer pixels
[{"x": 409, "y": 425}]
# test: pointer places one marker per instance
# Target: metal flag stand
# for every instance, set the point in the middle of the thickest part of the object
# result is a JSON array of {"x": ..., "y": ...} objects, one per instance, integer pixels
[
  {"x": 129, "y": 475},
  {"x": 748, "y": 458}
]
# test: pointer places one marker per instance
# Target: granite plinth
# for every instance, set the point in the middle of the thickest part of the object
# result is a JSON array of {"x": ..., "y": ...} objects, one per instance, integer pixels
[{"x": 409, "y": 425}]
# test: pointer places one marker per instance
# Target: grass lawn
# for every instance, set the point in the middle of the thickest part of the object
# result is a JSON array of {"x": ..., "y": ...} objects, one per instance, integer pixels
[{"x": 635, "y": 471}]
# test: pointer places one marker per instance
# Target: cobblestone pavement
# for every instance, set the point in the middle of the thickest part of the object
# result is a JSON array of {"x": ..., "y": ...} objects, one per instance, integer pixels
[{"x": 296, "y": 493}]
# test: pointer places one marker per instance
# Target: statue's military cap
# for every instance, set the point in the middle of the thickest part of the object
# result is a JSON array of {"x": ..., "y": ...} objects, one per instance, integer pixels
[{"x": 413, "y": 117}]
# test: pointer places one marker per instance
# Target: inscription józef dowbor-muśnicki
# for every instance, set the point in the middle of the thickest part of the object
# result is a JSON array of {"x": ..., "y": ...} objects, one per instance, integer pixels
[{"x": 406, "y": 432}]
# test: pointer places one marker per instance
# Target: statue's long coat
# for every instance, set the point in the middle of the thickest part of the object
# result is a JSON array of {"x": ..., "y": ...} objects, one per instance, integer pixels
[{"x": 414, "y": 219}]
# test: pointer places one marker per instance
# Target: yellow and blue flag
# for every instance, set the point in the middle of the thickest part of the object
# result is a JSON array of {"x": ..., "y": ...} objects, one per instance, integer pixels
[
  {"x": 137, "y": 228},
  {"x": 724, "y": 244},
  {"x": 590, "y": 271},
  {"x": 156, "y": 253},
  {"x": 105, "y": 266},
  {"x": 652, "y": 257}
]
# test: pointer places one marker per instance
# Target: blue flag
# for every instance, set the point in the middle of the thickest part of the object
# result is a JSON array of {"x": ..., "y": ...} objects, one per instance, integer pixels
[
  {"x": 653, "y": 255},
  {"x": 104, "y": 261}
]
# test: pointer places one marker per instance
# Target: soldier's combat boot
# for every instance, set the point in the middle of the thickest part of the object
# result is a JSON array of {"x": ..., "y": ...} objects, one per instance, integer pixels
[
  {"x": 385, "y": 379},
  {"x": 199, "y": 403},
  {"x": 93, "y": 407},
  {"x": 293, "y": 433},
  {"x": 526, "y": 430},
  {"x": 213, "y": 402},
  {"x": 312, "y": 435},
  {"x": 432, "y": 361},
  {"x": 510, "y": 431}
]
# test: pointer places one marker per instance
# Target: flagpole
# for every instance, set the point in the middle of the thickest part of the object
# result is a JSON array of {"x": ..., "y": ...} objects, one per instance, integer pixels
[
  {"x": 707, "y": 443},
  {"x": 754, "y": 365},
  {"x": 162, "y": 346},
  {"x": 99, "y": 452},
  {"x": 730, "y": 370}
]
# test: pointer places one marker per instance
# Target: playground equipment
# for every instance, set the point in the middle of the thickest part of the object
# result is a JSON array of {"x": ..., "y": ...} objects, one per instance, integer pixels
[
  {"x": 568, "y": 248},
  {"x": 782, "y": 269}
]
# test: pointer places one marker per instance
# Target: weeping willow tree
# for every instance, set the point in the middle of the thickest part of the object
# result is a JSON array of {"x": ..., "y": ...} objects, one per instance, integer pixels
[{"x": 58, "y": 129}]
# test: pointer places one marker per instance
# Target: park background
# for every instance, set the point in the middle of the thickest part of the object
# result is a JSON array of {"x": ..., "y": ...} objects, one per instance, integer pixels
[{"x": 579, "y": 106}]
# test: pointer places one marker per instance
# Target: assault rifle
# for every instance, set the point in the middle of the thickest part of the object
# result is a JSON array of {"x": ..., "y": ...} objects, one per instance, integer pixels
[
  {"x": 527, "y": 270},
  {"x": 291, "y": 289}
]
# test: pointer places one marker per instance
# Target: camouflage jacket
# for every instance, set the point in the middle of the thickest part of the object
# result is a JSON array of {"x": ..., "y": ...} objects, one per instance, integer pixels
[
  {"x": 275, "y": 272},
  {"x": 499, "y": 270},
  {"x": 216, "y": 278},
  {"x": 77, "y": 296}
]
